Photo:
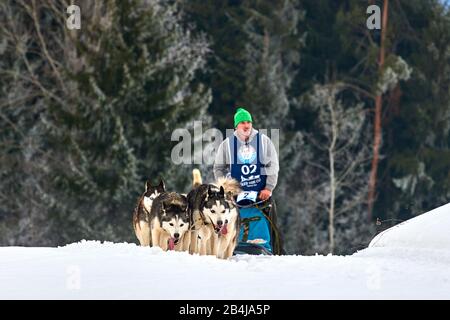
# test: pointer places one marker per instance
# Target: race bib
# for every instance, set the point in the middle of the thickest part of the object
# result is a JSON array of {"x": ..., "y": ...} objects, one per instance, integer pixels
[{"x": 247, "y": 197}]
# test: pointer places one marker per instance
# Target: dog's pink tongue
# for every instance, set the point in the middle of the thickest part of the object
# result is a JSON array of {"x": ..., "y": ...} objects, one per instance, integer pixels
[
  {"x": 171, "y": 244},
  {"x": 224, "y": 229}
]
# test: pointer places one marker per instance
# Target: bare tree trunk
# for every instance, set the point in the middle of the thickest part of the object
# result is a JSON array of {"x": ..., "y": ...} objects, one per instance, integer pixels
[
  {"x": 331, "y": 157},
  {"x": 377, "y": 121}
]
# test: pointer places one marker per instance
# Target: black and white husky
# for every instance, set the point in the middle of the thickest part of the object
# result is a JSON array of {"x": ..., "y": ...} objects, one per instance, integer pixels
[
  {"x": 141, "y": 215},
  {"x": 215, "y": 217},
  {"x": 170, "y": 222}
]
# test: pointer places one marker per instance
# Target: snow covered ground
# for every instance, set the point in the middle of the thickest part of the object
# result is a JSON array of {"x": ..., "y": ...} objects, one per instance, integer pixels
[{"x": 410, "y": 261}]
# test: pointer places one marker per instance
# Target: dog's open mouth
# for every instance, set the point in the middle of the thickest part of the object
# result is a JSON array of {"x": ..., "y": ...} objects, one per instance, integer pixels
[
  {"x": 222, "y": 230},
  {"x": 172, "y": 243}
]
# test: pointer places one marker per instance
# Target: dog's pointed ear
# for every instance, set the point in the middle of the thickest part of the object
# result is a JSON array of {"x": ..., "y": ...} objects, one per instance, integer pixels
[
  {"x": 148, "y": 185},
  {"x": 161, "y": 185},
  {"x": 185, "y": 205},
  {"x": 163, "y": 207},
  {"x": 209, "y": 191},
  {"x": 222, "y": 191}
]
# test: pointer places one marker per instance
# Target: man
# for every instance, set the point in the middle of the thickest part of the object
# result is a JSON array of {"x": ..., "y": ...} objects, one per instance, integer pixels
[{"x": 250, "y": 158}]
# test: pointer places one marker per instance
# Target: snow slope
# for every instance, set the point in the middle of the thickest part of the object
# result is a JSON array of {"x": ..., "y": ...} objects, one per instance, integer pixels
[
  {"x": 430, "y": 231},
  {"x": 410, "y": 261}
]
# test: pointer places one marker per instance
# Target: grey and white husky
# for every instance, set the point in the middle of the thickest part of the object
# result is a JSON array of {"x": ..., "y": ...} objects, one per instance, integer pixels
[
  {"x": 215, "y": 216},
  {"x": 170, "y": 222},
  {"x": 141, "y": 215}
]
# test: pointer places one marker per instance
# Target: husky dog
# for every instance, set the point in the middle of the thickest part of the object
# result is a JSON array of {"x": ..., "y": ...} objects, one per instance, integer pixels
[
  {"x": 170, "y": 222},
  {"x": 215, "y": 216},
  {"x": 142, "y": 211}
]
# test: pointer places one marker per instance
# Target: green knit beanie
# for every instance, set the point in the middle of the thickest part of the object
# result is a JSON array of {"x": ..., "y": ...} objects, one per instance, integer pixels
[{"x": 242, "y": 115}]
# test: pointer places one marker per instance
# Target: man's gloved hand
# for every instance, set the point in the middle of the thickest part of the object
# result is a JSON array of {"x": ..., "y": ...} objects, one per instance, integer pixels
[{"x": 265, "y": 194}]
